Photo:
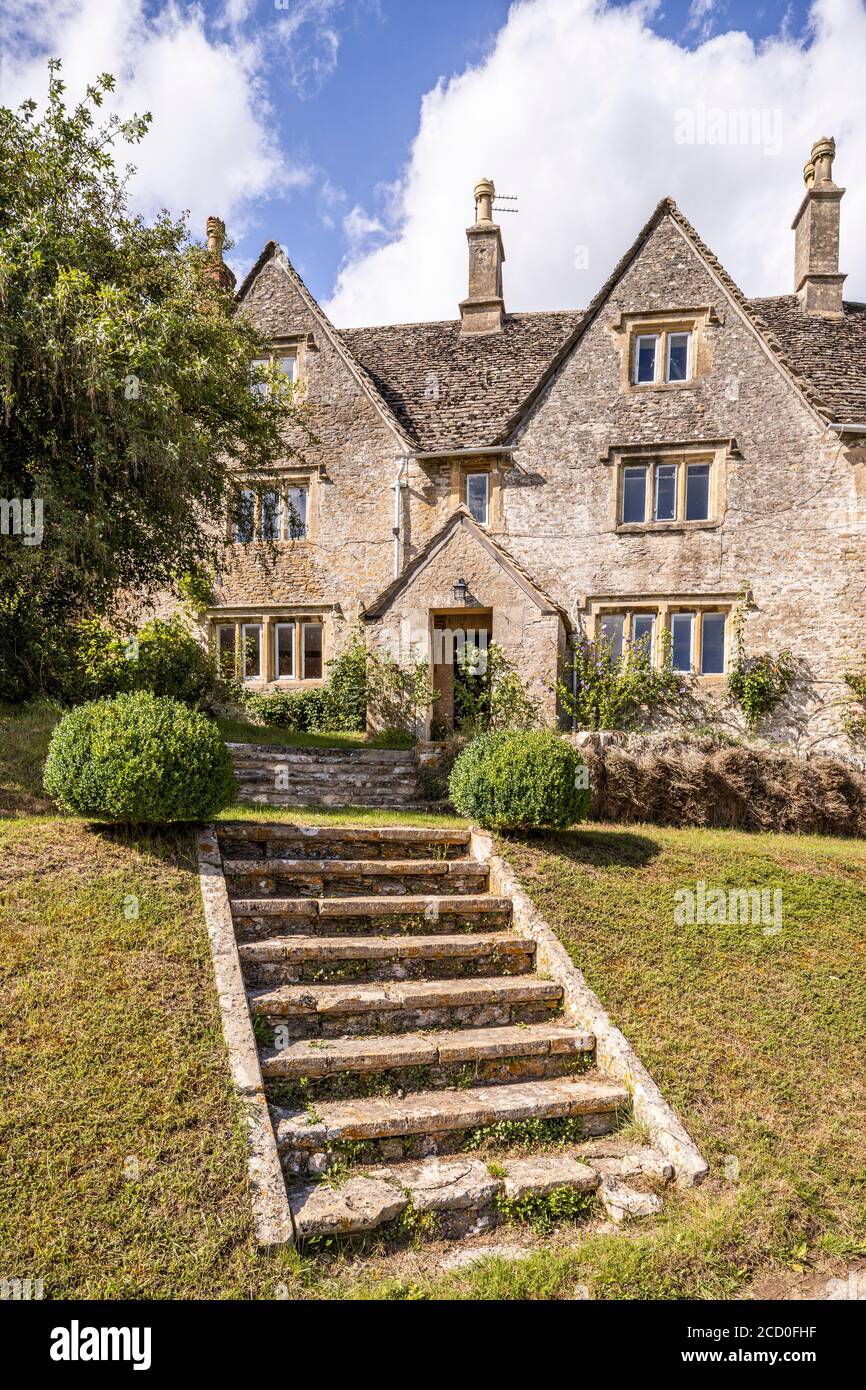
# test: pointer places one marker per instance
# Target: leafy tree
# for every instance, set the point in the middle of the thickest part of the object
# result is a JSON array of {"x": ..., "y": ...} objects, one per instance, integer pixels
[{"x": 124, "y": 384}]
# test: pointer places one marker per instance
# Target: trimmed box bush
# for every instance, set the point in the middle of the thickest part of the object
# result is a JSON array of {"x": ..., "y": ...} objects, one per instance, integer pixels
[
  {"x": 520, "y": 781},
  {"x": 139, "y": 758}
]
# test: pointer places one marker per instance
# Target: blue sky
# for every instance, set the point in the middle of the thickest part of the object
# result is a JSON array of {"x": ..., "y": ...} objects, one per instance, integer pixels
[{"x": 353, "y": 130}]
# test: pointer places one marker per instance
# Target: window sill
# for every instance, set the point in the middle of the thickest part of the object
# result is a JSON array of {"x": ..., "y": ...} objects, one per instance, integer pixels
[
  {"x": 628, "y": 528},
  {"x": 662, "y": 385},
  {"x": 281, "y": 543}
]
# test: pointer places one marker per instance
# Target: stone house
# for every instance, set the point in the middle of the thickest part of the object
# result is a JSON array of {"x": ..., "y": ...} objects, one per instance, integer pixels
[{"x": 624, "y": 470}]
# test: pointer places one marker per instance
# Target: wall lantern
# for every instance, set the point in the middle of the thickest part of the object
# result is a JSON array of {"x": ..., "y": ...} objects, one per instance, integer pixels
[{"x": 461, "y": 589}]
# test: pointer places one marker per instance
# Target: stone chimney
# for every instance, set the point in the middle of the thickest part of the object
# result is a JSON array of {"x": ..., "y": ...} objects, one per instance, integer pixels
[
  {"x": 216, "y": 269},
  {"x": 817, "y": 281},
  {"x": 484, "y": 309}
]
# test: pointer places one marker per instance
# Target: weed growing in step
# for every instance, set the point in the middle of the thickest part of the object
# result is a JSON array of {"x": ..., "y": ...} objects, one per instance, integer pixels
[
  {"x": 543, "y": 1211},
  {"x": 420, "y": 1225},
  {"x": 525, "y": 1134},
  {"x": 262, "y": 1031}
]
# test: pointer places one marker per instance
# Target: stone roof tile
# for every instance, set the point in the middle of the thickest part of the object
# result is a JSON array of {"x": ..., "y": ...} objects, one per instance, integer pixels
[
  {"x": 449, "y": 392},
  {"x": 829, "y": 353}
]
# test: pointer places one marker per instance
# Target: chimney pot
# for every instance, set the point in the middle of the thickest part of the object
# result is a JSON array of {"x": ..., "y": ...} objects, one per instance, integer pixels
[
  {"x": 485, "y": 192},
  {"x": 817, "y": 279},
  {"x": 484, "y": 309},
  {"x": 216, "y": 235},
  {"x": 217, "y": 270}
]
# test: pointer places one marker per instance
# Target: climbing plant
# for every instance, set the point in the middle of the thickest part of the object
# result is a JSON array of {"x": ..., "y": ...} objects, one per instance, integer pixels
[
  {"x": 603, "y": 689},
  {"x": 855, "y": 714},
  {"x": 489, "y": 694},
  {"x": 759, "y": 683}
]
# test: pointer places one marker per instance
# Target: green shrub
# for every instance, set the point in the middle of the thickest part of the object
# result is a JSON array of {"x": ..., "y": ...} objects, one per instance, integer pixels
[
  {"x": 136, "y": 758},
  {"x": 601, "y": 689},
  {"x": 338, "y": 706},
  {"x": 520, "y": 780},
  {"x": 302, "y": 711},
  {"x": 346, "y": 689},
  {"x": 164, "y": 658}
]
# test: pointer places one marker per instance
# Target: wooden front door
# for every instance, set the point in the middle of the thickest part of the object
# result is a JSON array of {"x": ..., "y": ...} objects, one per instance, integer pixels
[{"x": 450, "y": 631}]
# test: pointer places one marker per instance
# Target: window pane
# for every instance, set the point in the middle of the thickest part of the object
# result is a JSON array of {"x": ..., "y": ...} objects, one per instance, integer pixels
[
  {"x": 252, "y": 639},
  {"x": 312, "y": 651},
  {"x": 296, "y": 513},
  {"x": 634, "y": 494},
  {"x": 245, "y": 517},
  {"x": 257, "y": 366},
  {"x": 678, "y": 356},
  {"x": 713, "y": 644},
  {"x": 270, "y": 515},
  {"x": 612, "y": 629},
  {"x": 682, "y": 626},
  {"x": 642, "y": 625},
  {"x": 666, "y": 492},
  {"x": 284, "y": 640},
  {"x": 477, "y": 489},
  {"x": 697, "y": 492},
  {"x": 288, "y": 365},
  {"x": 645, "y": 357},
  {"x": 226, "y": 652}
]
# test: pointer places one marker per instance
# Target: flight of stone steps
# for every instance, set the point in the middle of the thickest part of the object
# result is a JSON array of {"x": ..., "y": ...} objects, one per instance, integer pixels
[
  {"x": 274, "y": 775},
  {"x": 406, "y": 1041}
]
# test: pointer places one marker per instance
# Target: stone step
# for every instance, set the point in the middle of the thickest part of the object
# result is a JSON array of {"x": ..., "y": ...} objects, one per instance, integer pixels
[
  {"x": 299, "y": 797},
  {"x": 373, "y": 1054},
  {"x": 240, "y": 840},
  {"x": 257, "y": 918},
  {"x": 268, "y": 773},
  {"x": 452, "y": 1195},
  {"x": 334, "y": 757},
  {"x": 403, "y": 1006},
  {"x": 293, "y": 959},
  {"x": 437, "y": 1116},
  {"x": 328, "y": 878},
  {"x": 309, "y": 1070}
]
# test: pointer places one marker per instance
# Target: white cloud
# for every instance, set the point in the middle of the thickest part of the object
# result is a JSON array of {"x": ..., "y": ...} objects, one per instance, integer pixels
[
  {"x": 575, "y": 109},
  {"x": 359, "y": 226},
  {"x": 309, "y": 32},
  {"x": 210, "y": 148}
]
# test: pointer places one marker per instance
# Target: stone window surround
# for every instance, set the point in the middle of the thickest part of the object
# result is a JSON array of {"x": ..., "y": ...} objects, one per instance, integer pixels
[
  {"x": 662, "y": 607},
  {"x": 632, "y": 325},
  {"x": 713, "y": 452},
  {"x": 460, "y": 470},
  {"x": 278, "y": 482},
  {"x": 292, "y": 344},
  {"x": 296, "y": 615}
]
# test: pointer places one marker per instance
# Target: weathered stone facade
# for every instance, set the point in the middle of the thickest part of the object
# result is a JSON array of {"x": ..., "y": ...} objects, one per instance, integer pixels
[{"x": 550, "y": 408}]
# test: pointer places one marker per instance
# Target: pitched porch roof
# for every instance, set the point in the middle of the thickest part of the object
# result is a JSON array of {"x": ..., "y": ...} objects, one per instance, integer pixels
[{"x": 461, "y": 518}]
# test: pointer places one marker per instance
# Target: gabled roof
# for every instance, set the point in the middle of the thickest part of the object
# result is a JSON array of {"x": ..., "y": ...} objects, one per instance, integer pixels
[
  {"x": 668, "y": 208},
  {"x": 453, "y": 392},
  {"x": 273, "y": 251},
  {"x": 441, "y": 391},
  {"x": 462, "y": 518}
]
